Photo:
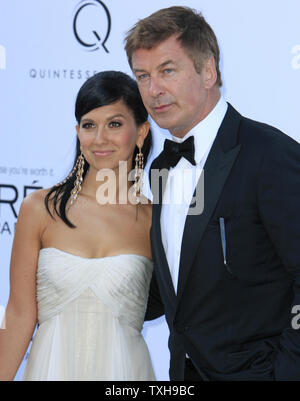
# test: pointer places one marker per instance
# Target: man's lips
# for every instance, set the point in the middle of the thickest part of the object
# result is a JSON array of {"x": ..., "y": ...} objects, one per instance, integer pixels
[{"x": 162, "y": 108}]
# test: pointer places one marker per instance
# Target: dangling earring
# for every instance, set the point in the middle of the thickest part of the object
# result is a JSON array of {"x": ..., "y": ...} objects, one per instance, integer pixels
[
  {"x": 138, "y": 175},
  {"x": 69, "y": 176},
  {"x": 78, "y": 181}
]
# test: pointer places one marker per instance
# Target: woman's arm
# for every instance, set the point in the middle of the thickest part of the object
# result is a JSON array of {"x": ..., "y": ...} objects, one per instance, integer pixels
[{"x": 21, "y": 311}]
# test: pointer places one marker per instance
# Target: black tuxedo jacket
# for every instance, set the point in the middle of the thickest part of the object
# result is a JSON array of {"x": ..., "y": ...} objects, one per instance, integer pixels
[{"x": 236, "y": 319}]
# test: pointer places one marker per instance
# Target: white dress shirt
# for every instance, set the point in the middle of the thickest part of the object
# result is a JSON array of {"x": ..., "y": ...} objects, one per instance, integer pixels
[{"x": 181, "y": 184}]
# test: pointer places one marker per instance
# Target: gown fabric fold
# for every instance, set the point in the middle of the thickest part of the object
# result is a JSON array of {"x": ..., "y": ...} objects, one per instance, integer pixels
[{"x": 90, "y": 314}]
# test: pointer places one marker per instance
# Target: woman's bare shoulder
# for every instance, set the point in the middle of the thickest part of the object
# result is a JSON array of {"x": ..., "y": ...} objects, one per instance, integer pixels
[
  {"x": 34, "y": 203},
  {"x": 32, "y": 219}
]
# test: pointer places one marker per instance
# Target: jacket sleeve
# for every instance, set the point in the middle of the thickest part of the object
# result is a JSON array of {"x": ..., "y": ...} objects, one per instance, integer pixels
[
  {"x": 279, "y": 208},
  {"x": 155, "y": 307}
]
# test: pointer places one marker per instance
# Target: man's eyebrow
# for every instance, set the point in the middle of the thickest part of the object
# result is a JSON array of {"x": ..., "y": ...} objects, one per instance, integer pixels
[
  {"x": 136, "y": 70},
  {"x": 166, "y": 63}
]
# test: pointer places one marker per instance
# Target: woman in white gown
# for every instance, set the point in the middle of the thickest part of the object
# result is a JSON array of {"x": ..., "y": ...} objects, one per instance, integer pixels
[{"x": 81, "y": 259}]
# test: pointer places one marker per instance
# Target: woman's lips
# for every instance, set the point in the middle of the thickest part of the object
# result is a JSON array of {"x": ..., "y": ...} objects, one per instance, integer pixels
[{"x": 103, "y": 153}]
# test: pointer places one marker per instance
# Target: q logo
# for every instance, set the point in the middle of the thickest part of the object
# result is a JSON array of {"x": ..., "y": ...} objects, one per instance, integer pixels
[{"x": 91, "y": 24}]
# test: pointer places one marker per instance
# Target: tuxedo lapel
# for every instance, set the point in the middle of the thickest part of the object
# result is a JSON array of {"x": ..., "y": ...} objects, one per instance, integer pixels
[
  {"x": 216, "y": 170},
  {"x": 162, "y": 266},
  {"x": 157, "y": 187}
]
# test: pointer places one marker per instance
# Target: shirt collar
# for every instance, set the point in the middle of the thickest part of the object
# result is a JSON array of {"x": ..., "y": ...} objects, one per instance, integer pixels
[{"x": 206, "y": 130}]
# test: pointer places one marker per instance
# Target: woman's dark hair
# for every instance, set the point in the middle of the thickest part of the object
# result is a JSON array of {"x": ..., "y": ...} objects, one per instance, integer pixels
[{"x": 102, "y": 89}]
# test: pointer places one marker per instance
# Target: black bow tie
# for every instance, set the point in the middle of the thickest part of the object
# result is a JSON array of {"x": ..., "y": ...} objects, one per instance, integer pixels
[{"x": 174, "y": 151}]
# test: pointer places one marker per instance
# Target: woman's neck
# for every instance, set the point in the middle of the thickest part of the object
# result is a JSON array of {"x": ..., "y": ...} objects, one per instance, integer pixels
[{"x": 107, "y": 185}]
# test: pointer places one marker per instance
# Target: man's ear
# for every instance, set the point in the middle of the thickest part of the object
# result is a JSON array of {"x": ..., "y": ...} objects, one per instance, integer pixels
[{"x": 210, "y": 72}]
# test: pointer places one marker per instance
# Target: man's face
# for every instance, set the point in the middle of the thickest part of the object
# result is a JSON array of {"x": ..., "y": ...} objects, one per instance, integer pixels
[{"x": 174, "y": 94}]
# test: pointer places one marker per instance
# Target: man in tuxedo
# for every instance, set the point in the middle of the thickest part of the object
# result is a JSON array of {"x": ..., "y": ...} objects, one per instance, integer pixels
[{"x": 228, "y": 277}]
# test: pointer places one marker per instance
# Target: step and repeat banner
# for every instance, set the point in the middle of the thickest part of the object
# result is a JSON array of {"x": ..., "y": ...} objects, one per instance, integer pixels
[{"x": 49, "y": 48}]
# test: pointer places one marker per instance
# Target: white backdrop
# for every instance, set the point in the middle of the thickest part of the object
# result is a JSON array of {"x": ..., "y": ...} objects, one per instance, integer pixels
[{"x": 43, "y": 65}]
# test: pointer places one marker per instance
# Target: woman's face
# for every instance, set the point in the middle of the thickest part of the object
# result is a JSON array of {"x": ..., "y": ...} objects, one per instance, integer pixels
[{"x": 109, "y": 134}]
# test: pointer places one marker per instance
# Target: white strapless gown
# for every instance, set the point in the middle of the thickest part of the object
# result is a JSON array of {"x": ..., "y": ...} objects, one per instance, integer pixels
[{"x": 90, "y": 314}]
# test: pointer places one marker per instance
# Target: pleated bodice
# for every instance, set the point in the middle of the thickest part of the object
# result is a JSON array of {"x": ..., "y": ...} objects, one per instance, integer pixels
[{"x": 90, "y": 313}]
